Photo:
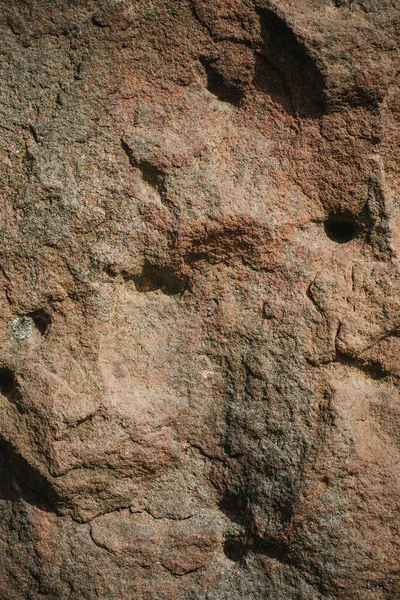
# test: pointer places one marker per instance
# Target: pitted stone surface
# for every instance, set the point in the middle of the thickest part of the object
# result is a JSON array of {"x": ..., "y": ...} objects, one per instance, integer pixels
[{"x": 199, "y": 301}]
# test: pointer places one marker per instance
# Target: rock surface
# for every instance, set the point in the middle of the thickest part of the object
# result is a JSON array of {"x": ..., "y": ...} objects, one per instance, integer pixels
[{"x": 200, "y": 300}]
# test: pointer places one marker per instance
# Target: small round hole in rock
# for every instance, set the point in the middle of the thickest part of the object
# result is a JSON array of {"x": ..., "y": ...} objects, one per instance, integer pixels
[
  {"x": 341, "y": 230},
  {"x": 235, "y": 549},
  {"x": 7, "y": 382}
]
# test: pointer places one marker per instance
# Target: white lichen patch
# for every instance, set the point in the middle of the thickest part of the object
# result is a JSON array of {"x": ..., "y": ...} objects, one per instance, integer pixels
[{"x": 22, "y": 328}]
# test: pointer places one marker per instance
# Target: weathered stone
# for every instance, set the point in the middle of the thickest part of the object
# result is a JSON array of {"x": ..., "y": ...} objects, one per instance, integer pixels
[{"x": 199, "y": 301}]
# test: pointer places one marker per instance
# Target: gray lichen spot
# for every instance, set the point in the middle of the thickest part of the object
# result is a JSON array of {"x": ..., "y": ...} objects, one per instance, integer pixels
[{"x": 22, "y": 328}]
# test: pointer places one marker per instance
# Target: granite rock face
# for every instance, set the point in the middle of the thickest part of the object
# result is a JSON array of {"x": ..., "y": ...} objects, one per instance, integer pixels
[{"x": 200, "y": 300}]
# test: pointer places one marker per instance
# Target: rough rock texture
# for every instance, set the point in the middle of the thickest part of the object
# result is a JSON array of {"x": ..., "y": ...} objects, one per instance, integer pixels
[{"x": 200, "y": 300}]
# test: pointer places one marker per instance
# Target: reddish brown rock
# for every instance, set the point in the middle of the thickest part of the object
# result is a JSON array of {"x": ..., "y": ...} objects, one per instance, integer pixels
[{"x": 199, "y": 302}]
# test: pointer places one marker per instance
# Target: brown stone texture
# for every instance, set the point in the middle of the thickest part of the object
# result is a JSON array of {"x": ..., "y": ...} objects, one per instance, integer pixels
[{"x": 199, "y": 300}]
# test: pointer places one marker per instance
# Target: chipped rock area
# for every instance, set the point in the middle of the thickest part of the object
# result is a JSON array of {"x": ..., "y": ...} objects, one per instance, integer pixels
[{"x": 199, "y": 300}]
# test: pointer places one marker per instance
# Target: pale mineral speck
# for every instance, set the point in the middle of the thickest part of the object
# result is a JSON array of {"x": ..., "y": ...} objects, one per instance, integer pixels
[{"x": 22, "y": 328}]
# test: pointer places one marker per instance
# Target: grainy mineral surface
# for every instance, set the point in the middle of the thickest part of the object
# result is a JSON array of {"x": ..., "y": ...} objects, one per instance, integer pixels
[{"x": 199, "y": 300}]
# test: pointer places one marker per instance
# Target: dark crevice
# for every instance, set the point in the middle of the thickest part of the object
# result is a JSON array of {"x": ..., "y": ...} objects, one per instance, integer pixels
[
  {"x": 240, "y": 545},
  {"x": 33, "y": 133},
  {"x": 8, "y": 382},
  {"x": 41, "y": 319},
  {"x": 153, "y": 176},
  {"x": 98, "y": 21},
  {"x": 274, "y": 549},
  {"x": 217, "y": 86},
  {"x": 234, "y": 507},
  {"x": 237, "y": 546},
  {"x": 284, "y": 69},
  {"x": 9, "y": 388},
  {"x": 372, "y": 368},
  {"x": 299, "y": 75},
  {"x": 28, "y": 484}
]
